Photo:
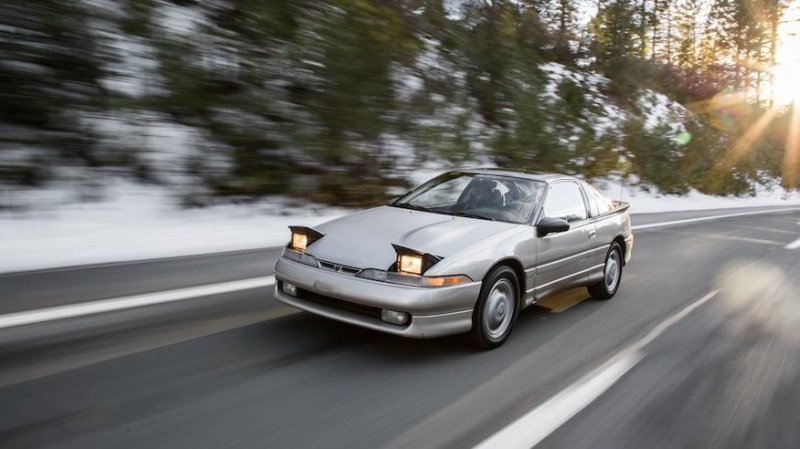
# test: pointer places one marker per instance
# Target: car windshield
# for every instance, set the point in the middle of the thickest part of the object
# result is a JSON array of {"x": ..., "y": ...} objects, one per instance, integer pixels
[{"x": 477, "y": 195}]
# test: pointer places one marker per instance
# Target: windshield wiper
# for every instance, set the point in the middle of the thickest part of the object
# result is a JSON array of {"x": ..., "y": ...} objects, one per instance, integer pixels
[
  {"x": 425, "y": 209},
  {"x": 469, "y": 215},
  {"x": 412, "y": 207}
]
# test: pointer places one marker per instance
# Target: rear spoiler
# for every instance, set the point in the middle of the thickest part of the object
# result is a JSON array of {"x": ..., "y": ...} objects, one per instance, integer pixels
[{"x": 620, "y": 206}]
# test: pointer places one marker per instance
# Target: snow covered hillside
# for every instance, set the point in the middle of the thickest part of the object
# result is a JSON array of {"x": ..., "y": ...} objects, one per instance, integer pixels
[{"x": 272, "y": 119}]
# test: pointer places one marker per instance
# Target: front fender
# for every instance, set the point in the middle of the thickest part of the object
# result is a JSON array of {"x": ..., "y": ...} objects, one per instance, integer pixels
[{"x": 475, "y": 260}]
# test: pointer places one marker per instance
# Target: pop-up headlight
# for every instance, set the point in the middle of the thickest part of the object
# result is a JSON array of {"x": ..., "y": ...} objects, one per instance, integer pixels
[
  {"x": 302, "y": 237},
  {"x": 299, "y": 241},
  {"x": 413, "y": 262},
  {"x": 409, "y": 263}
]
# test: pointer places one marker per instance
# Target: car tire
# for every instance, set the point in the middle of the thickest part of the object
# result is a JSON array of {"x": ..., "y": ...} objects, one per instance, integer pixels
[
  {"x": 497, "y": 308},
  {"x": 607, "y": 287}
]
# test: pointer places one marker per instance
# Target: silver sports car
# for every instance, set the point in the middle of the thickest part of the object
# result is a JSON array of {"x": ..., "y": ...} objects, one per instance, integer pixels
[{"x": 464, "y": 252}]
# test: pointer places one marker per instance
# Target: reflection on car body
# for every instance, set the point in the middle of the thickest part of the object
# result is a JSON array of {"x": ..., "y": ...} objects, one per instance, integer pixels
[{"x": 464, "y": 252}]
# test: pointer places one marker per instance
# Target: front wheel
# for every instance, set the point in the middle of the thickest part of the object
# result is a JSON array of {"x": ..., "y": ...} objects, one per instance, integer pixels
[
  {"x": 612, "y": 275},
  {"x": 496, "y": 310}
]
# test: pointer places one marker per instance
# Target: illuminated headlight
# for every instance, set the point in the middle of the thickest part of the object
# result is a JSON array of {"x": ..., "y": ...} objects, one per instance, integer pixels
[
  {"x": 299, "y": 241},
  {"x": 408, "y": 263},
  {"x": 302, "y": 237},
  {"x": 413, "y": 262}
]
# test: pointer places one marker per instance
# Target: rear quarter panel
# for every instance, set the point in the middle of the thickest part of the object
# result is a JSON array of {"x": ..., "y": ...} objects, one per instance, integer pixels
[{"x": 610, "y": 226}]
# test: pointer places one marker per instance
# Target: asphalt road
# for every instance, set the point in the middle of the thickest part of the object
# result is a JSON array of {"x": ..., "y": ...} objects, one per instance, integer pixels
[{"x": 240, "y": 370}]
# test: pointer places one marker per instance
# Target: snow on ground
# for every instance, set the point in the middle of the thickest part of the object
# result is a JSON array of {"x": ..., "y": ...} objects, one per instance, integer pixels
[
  {"x": 659, "y": 111},
  {"x": 137, "y": 222},
  {"x": 643, "y": 202},
  {"x": 600, "y": 114}
]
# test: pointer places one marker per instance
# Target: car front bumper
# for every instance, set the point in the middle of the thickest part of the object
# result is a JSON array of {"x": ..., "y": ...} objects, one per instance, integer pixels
[{"x": 433, "y": 312}]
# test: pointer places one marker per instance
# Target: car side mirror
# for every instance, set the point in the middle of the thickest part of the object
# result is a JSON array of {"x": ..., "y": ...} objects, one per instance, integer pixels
[{"x": 550, "y": 226}]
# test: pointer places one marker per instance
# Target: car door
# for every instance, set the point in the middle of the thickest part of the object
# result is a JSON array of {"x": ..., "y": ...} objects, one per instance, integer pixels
[{"x": 562, "y": 258}]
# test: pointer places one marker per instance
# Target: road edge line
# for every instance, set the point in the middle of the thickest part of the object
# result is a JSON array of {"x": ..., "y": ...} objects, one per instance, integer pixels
[
  {"x": 710, "y": 218},
  {"x": 127, "y": 302}
]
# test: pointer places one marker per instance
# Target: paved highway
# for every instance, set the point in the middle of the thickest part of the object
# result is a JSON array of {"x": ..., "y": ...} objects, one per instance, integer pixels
[{"x": 700, "y": 348}]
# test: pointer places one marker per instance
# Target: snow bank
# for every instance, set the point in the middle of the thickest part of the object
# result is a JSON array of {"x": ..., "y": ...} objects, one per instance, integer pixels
[
  {"x": 644, "y": 202},
  {"x": 137, "y": 222}
]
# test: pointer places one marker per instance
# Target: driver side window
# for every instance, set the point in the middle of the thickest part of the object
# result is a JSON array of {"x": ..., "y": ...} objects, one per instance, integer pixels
[{"x": 565, "y": 201}]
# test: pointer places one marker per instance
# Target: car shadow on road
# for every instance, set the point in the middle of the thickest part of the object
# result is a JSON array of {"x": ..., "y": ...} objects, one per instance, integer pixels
[{"x": 537, "y": 323}]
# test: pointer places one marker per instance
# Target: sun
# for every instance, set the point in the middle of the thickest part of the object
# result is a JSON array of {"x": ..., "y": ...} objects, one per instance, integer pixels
[
  {"x": 785, "y": 87},
  {"x": 787, "y": 84}
]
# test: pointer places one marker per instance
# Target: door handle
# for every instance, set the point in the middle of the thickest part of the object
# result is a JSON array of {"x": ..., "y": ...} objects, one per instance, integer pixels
[{"x": 592, "y": 233}]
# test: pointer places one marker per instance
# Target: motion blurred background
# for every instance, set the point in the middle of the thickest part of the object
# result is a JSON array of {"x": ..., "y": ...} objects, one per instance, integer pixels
[
  {"x": 336, "y": 100},
  {"x": 297, "y": 105},
  {"x": 136, "y": 131}
]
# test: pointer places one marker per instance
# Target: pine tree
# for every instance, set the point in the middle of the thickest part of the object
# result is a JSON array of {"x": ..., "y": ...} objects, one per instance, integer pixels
[
  {"x": 688, "y": 31},
  {"x": 51, "y": 71},
  {"x": 560, "y": 18},
  {"x": 615, "y": 30}
]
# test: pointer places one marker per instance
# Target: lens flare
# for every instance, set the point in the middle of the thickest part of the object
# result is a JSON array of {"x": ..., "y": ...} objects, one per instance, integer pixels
[{"x": 787, "y": 84}]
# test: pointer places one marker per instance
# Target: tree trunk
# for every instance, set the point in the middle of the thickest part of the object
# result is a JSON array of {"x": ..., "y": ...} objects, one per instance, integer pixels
[
  {"x": 655, "y": 30},
  {"x": 643, "y": 31},
  {"x": 669, "y": 36},
  {"x": 774, "y": 17}
]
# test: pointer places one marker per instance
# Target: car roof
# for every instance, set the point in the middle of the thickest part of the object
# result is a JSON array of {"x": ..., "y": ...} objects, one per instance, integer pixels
[{"x": 536, "y": 176}]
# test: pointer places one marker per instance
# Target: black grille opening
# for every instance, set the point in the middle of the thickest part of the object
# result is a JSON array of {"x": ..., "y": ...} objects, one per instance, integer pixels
[
  {"x": 347, "y": 306},
  {"x": 326, "y": 265}
]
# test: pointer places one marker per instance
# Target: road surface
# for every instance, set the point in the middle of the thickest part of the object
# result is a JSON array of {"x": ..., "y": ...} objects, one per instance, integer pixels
[{"x": 700, "y": 348}]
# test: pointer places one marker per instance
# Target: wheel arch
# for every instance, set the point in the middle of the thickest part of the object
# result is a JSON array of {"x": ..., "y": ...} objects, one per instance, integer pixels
[
  {"x": 621, "y": 241},
  {"x": 515, "y": 265}
]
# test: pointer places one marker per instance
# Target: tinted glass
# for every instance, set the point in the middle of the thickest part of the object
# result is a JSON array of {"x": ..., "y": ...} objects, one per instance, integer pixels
[
  {"x": 565, "y": 201},
  {"x": 601, "y": 202}
]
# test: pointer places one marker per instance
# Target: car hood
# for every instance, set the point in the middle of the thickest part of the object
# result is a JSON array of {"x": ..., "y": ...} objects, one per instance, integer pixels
[{"x": 364, "y": 239}]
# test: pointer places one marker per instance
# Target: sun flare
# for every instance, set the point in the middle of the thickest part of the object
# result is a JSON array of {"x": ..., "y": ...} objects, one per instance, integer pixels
[
  {"x": 785, "y": 87},
  {"x": 787, "y": 84}
]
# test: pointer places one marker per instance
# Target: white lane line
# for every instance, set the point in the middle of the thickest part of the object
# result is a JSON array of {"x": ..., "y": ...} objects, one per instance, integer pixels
[
  {"x": 127, "y": 302},
  {"x": 536, "y": 425},
  {"x": 664, "y": 325},
  {"x": 760, "y": 228},
  {"x": 735, "y": 238},
  {"x": 794, "y": 245},
  {"x": 540, "y": 422},
  {"x": 713, "y": 217}
]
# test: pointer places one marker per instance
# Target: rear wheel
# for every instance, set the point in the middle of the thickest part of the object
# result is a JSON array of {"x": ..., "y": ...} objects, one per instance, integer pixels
[
  {"x": 612, "y": 275},
  {"x": 497, "y": 308}
]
